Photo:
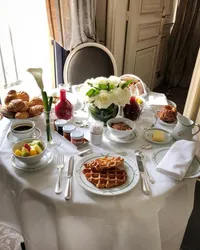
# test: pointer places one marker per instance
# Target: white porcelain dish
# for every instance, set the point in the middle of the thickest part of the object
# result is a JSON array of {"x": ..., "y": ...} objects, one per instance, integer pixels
[
  {"x": 35, "y": 118},
  {"x": 30, "y": 159},
  {"x": 166, "y": 123},
  {"x": 148, "y": 134},
  {"x": 36, "y": 135},
  {"x": 130, "y": 138},
  {"x": 43, "y": 163},
  {"x": 193, "y": 171},
  {"x": 130, "y": 167},
  {"x": 120, "y": 133}
]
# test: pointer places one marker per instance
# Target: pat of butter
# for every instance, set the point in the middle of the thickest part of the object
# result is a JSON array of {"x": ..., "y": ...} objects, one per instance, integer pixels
[{"x": 158, "y": 136}]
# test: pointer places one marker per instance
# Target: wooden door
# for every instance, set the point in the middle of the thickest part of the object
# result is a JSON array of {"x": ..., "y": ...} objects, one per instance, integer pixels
[{"x": 143, "y": 39}]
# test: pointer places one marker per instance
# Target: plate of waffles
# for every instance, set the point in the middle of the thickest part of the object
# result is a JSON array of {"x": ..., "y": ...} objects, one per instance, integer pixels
[{"x": 106, "y": 175}]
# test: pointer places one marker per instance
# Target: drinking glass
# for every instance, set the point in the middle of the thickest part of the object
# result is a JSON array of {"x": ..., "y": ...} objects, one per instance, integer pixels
[{"x": 147, "y": 119}]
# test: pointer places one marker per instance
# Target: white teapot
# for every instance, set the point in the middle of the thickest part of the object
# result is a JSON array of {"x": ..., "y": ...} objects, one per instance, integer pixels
[{"x": 183, "y": 128}]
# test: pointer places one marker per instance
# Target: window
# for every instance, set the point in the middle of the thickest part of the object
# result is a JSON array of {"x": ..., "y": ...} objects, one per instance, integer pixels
[{"x": 24, "y": 43}]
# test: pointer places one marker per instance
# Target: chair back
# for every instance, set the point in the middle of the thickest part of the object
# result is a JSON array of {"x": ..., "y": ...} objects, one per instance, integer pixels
[{"x": 88, "y": 60}]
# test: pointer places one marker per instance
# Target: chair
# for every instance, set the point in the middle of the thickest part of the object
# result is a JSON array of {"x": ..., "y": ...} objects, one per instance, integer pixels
[{"x": 88, "y": 60}]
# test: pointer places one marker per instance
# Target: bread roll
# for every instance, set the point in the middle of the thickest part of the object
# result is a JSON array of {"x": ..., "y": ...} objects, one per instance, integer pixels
[
  {"x": 12, "y": 92},
  {"x": 7, "y": 113},
  {"x": 16, "y": 105},
  {"x": 35, "y": 101},
  {"x": 23, "y": 96},
  {"x": 36, "y": 110},
  {"x": 22, "y": 115},
  {"x": 26, "y": 107},
  {"x": 9, "y": 98}
]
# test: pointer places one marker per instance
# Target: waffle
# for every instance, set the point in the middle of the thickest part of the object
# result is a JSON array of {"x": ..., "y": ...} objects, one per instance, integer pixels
[
  {"x": 106, "y": 178},
  {"x": 105, "y": 163}
]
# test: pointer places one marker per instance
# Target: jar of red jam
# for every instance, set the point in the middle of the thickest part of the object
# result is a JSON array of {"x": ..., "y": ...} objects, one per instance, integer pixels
[
  {"x": 77, "y": 137},
  {"x": 67, "y": 129}
]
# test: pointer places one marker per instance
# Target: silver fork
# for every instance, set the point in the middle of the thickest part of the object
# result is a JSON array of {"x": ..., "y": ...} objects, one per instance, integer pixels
[{"x": 60, "y": 165}]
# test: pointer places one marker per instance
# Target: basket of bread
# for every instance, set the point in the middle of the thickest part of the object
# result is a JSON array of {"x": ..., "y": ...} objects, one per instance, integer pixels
[{"x": 18, "y": 105}]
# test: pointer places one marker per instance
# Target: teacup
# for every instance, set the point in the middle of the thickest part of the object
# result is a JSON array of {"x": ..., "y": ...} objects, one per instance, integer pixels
[{"x": 23, "y": 129}]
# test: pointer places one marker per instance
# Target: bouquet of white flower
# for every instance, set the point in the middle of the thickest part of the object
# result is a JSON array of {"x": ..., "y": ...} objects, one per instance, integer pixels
[{"x": 102, "y": 91}]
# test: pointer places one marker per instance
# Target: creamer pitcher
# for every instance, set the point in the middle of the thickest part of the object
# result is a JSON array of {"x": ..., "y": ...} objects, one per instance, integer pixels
[{"x": 183, "y": 128}]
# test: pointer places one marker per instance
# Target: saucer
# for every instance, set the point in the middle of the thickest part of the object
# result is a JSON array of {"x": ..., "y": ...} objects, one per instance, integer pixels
[
  {"x": 127, "y": 139},
  {"x": 12, "y": 138},
  {"x": 148, "y": 134},
  {"x": 46, "y": 159}
]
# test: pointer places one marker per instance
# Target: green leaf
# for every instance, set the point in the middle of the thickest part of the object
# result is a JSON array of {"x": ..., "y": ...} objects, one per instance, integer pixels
[
  {"x": 103, "y": 86},
  {"x": 124, "y": 85},
  {"x": 90, "y": 93}
]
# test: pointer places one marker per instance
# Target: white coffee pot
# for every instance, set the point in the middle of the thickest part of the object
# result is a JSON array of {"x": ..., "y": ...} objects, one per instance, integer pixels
[{"x": 183, "y": 128}]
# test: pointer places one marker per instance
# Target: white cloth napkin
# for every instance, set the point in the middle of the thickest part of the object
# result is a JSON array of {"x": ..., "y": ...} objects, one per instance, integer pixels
[
  {"x": 157, "y": 100},
  {"x": 178, "y": 159}
]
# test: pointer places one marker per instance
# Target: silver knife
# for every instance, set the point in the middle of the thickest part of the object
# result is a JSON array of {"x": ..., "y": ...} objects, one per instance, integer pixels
[
  {"x": 145, "y": 186},
  {"x": 68, "y": 190}
]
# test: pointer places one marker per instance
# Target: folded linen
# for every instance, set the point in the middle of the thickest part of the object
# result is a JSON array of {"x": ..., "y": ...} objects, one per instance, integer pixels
[
  {"x": 157, "y": 100},
  {"x": 177, "y": 160}
]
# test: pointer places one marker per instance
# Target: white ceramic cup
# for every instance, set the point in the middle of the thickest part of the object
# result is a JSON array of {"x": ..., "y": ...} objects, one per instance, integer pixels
[{"x": 23, "y": 129}]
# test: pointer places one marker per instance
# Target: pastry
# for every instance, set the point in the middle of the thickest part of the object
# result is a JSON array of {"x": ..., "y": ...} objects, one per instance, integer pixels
[
  {"x": 23, "y": 96},
  {"x": 7, "y": 113},
  {"x": 9, "y": 98},
  {"x": 107, "y": 178},
  {"x": 12, "y": 92},
  {"x": 16, "y": 105},
  {"x": 105, "y": 163},
  {"x": 22, "y": 115},
  {"x": 168, "y": 114},
  {"x": 35, "y": 101},
  {"x": 26, "y": 107},
  {"x": 36, "y": 110}
]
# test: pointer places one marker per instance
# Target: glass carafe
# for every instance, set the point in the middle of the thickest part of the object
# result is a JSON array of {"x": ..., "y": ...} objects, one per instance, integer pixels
[{"x": 63, "y": 109}]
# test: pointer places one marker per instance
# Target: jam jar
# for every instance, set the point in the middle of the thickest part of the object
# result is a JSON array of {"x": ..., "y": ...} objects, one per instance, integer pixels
[
  {"x": 60, "y": 123},
  {"x": 67, "y": 129},
  {"x": 77, "y": 137}
]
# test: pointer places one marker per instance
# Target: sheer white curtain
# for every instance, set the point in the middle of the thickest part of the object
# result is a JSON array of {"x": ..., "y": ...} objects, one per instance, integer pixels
[
  {"x": 27, "y": 24},
  {"x": 72, "y": 22}
]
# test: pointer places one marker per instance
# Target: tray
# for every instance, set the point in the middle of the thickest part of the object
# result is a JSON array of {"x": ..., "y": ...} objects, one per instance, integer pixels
[{"x": 86, "y": 141}]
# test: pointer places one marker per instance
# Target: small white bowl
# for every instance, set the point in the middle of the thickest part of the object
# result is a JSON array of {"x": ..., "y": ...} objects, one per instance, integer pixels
[
  {"x": 120, "y": 133},
  {"x": 29, "y": 159}
]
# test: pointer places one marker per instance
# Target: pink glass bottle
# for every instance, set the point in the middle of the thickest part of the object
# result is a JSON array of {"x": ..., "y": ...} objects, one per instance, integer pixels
[{"x": 64, "y": 109}]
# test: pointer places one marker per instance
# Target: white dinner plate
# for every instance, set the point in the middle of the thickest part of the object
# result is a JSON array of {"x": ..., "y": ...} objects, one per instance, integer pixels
[
  {"x": 193, "y": 171},
  {"x": 12, "y": 138},
  {"x": 148, "y": 134},
  {"x": 131, "y": 170},
  {"x": 46, "y": 159},
  {"x": 127, "y": 139}
]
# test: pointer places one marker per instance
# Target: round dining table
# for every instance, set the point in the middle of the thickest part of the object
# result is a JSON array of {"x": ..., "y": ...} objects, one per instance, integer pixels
[{"x": 132, "y": 220}]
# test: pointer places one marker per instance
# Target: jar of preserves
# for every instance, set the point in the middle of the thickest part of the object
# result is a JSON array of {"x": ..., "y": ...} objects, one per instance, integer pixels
[
  {"x": 77, "y": 137},
  {"x": 67, "y": 129},
  {"x": 60, "y": 123}
]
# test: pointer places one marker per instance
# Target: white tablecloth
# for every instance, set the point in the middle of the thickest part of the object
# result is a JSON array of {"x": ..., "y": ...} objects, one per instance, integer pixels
[{"x": 88, "y": 221}]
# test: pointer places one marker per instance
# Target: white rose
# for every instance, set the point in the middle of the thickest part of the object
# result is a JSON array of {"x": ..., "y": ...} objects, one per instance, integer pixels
[
  {"x": 114, "y": 80},
  {"x": 121, "y": 96},
  {"x": 103, "y": 100}
]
